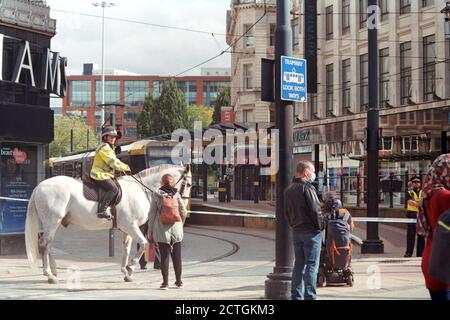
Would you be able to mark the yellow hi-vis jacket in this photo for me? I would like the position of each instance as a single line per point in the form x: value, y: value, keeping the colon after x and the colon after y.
x: 415, y: 197
x: 105, y: 162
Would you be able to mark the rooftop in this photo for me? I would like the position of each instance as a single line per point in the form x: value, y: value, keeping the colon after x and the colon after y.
x: 27, y: 14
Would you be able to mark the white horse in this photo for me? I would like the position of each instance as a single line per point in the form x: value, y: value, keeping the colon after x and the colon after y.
x: 60, y: 200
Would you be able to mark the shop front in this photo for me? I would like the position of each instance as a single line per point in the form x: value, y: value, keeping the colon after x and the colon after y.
x: 30, y: 72
x: 409, y: 143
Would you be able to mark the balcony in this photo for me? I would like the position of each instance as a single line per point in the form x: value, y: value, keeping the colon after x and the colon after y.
x: 28, y: 14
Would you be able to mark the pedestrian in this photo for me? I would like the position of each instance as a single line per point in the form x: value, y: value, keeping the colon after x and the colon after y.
x: 415, y: 195
x: 303, y: 213
x: 436, y: 194
x: 103, y: 170
x: 168, y: 236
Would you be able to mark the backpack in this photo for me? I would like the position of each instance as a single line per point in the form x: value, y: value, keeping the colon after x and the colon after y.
x: 170, y: 212
x: 439, y: 264
x: 339, y: 246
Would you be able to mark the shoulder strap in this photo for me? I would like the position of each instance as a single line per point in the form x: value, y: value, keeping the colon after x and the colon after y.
x: 346, y: 216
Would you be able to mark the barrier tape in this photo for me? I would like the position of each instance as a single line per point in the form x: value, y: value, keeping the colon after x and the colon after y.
x: 272, y: 216
x: 14, y: 199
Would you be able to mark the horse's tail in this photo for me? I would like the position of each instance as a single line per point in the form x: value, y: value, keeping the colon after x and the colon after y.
x: 31, y: 232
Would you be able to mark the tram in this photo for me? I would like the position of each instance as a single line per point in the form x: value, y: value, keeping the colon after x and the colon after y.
x: 139, y: 155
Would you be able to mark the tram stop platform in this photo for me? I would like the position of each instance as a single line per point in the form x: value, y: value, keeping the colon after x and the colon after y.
x: 219, y: 262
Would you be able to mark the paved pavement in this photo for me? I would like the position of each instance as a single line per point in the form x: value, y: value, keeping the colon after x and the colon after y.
x: 219, y: 263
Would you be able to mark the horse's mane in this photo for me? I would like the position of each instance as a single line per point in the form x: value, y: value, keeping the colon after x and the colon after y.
x: 157, y: 169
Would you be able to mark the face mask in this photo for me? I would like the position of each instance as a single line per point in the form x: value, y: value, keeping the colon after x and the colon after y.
x: 312, y: 178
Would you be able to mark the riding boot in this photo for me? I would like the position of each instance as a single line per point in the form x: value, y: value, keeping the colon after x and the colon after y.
x: 102, y: 213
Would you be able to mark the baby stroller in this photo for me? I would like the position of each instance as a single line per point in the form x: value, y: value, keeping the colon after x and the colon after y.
x: 336, y: 252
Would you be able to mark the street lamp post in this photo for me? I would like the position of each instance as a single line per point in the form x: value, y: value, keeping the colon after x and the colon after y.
x: 104, y: 5
x: 373, y: 244
x: 278, y: 284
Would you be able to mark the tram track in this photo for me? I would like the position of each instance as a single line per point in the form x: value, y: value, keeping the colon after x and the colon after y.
x: 143, y: 278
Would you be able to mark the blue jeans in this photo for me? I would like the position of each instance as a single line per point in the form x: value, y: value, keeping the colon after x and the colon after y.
x: 306, y: 266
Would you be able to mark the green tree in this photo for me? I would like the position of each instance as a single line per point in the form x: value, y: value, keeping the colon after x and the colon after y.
x: 164, y: 114
x: 199, y: 113
x: 223, y: 100
x: 61, y: 143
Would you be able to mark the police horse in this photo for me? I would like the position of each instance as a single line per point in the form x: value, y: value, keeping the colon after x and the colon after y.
x: 60, y: 201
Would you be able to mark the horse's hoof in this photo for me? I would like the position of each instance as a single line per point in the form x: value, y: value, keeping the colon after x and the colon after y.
x: 130, y: 270
x: 53, y: 281
x: 128, y: 279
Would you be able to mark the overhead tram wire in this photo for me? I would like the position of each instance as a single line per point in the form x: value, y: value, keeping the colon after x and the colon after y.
x: 140, y: 22
x: 229, y: 47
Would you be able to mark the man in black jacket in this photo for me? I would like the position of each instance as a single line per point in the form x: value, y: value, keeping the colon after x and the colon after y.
x: 302, y: 210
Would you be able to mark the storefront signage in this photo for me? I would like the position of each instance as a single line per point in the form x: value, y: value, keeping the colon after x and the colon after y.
x: 39, y: 68
x: 302, y: 150
x: 300, y: 136
x: 18, y: 178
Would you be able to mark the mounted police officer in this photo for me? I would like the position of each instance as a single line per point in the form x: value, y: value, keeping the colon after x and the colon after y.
x: 103, y: 169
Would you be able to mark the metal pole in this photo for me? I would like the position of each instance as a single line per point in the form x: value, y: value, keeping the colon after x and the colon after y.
x: 342, y: 173
x: 87, y: 139
x: 444, y: 142
x: 71, y: 140
x: 256, y: 178
x: 278, y: 285
x: 205, y: 181
x: 373, y: 244
x: 103, y: 64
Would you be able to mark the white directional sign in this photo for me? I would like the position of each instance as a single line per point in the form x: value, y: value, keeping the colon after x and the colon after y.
x: 293, y: 79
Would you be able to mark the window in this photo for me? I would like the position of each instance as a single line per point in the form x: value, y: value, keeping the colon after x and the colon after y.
x: 131, y: 132
x: 384, y: 77
x: 189, y: 89
x: 388, y: 142
x: 80, y: 94
x: 130, y: 116
x: 364, y: 81
x: 405, y: 6
x: 329, y: 90
x: 248, y: 38
x: 346, y: 86
x: 272, y: 34
x: 426, y: 3
x: 345, y: 16
x: 211, y: 90
x: 295, y: 32
x: 248, y: 76
x: 363, y: 5
x: 410, y: 144
x: 246, y: 116
x: 429, y: 68
x: 135, y: 93
x: 157, y: 88
x: 329, y: 22
x: 112, y: 92
x: 405, y: 72
x: 384, y: 9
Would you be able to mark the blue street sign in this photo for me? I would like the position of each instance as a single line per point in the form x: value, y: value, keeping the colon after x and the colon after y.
x: 293, y: 79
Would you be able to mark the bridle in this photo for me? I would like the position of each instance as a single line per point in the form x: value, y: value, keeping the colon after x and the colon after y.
x: 183, y: 178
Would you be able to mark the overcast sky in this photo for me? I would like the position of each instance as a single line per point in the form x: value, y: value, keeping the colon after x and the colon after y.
x: 140, y: 48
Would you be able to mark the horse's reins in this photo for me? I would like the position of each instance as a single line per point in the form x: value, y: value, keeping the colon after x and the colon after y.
x: 183, y: 186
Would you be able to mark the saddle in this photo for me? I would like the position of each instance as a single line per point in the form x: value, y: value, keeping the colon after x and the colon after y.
x: 93, y: 192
